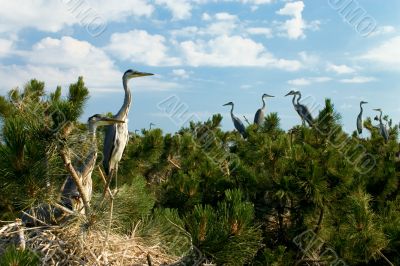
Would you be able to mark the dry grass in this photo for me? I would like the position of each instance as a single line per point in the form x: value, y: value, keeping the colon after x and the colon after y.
x: 73, y: 245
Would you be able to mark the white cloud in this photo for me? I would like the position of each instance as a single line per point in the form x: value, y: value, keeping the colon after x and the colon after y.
x: 386, y: 55
x: 180, y: 73
x: 61, y: 61
x: 309, y: 60
x: 52, y: 16
x: 267, y: 32
x: 358, y: 80
x: 340, y: 69
x: 206, y: 17
x: 294, y: 27
x: 233, y: 51
x: 308, y: 81
x: 222, y: 24
x: 257, y: 2
x: 225, y: 16
x: 181, y: 9
x: 141, y: 47
x: 67, y: 52
x: 5, y: 47
x: 382, y: 31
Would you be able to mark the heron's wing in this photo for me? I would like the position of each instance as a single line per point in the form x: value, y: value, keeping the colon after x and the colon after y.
x: 305, y: 113
x: 239, y: 125
x: 259, y: 117
x: 109, y: 145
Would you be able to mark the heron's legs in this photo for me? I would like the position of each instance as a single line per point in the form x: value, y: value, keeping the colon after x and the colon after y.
x: 107, y: 185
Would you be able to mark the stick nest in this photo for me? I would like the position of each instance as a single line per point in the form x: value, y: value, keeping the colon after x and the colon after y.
x: 71, y: 244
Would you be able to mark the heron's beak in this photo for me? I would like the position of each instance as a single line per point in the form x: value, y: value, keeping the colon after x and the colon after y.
x: 111, y: 121
x: 267, y: 95
x: 290, y: 93
x: 226, y: 104
x: 143, y: 74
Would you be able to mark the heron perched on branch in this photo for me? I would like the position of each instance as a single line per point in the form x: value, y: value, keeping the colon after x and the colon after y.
x: 259, y: 117
x: 359, y: 118
x: 237, y: 122
x: 301, y: 109
x: 117, y: 136
x: 71, y: 198
x: 382, y: 128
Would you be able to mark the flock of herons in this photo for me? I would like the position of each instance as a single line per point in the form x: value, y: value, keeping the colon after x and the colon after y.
x: 304, y: 114
x: 116, y: 138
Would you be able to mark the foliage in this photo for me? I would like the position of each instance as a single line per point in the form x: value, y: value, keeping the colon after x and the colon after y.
x: 239, y: 202
x: 15, y: 257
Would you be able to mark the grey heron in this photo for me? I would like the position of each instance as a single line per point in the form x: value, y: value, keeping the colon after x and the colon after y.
x: 301, y: 109
x: 237, y: 122
x: 259, y: 117
x: 382, y: 128
x: 70, y: 197
x: 117, y: 135
x: 359, y: 118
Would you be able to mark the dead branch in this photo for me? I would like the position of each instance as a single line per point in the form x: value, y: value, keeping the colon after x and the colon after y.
x: 67, y: 162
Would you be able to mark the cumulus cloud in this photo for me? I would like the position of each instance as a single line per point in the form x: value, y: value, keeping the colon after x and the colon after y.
x: 233, y: 51
x: 294, y: 27
x: 340, y: 69
x: 308, y: 81
x: 52, y: 16
x: 358, y: 80
x: 5, y: 47
x: 141, y: 47
x: 180, y: 73
x: 61, y: 61
x: 220, y: 24
x: 382, y: 31
x: 386, y: 55
x: 267, y: 32
x: 180, y: 9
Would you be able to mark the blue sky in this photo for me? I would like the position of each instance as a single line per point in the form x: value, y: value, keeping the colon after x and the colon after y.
x: 206, y: 53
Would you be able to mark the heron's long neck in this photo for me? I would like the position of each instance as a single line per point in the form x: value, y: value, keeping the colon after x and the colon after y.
x: 361, y: 109
x: 298, y: 99
x: 232, y: 115
x: 380, y: 117
x: 293, y: 100
x: 263, y: 99
x: 123, y: 112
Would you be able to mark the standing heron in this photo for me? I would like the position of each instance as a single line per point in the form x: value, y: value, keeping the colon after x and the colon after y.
x: 117, y: 135
x: 301, y: 109
x: 359, y: 118
x: 382, y: 128
x: 71, y: 199
x: 259, y: 117
x: 237, y: 122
